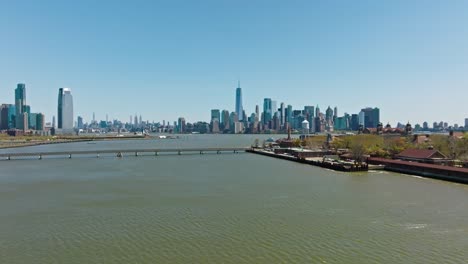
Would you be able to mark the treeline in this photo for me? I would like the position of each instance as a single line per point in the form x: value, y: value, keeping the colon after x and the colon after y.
x: 389, y: 146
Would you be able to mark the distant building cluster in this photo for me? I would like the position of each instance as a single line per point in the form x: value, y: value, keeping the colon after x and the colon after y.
x: 17, y: 118
x: 278, y: 119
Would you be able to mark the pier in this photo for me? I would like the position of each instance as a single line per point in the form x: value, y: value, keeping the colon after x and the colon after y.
x: 326, y: 165
x: 120, y: 152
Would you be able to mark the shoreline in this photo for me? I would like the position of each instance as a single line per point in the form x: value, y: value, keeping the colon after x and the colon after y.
x: 13, y: 144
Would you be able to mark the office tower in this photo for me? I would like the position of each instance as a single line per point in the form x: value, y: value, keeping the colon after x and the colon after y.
x: 225, y: 120
x: 282, y: 114
x: 7, y: 116
x: 257, y: 113
x: 40, y: 121
x: 215, y: 120
x: 341, y: 123
x: 317, y: 111
x: 65, y: 110
x: 274, y: 108
x: 80, y: 122
x: 335, y: 112
x: 309, y: 116
x: 466, y: 123
x: 371, y: 117
x: 233, y: 118
x: 309, y: 111
x: 289, y: 114
x: 239, y: 108
x: 354, y: 124
x: 135, y: 122
x: 140, y: 121
x: 267, y: 113
x: 32, y: 118
x: 181, y: 125
x: 329, y: 114
x: 215, y: 114
x: 20, y: 102
x: 24, y: 121
x: 362, y: 118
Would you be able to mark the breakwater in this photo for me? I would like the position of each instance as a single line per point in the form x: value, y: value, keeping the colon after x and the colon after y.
x: 322, y: 164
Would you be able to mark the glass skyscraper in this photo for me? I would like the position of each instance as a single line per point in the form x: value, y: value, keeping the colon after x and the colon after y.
x: 65, y: 109
x: 20, y: 102
x: 239, y: 107
x: 267, y: 111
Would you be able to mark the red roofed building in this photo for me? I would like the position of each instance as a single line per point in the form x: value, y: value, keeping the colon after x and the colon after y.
x: 423, y: 155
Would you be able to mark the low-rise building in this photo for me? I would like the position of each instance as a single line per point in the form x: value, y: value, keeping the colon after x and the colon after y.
x: 423, y: 155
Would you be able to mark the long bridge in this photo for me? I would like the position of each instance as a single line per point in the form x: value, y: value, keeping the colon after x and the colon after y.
x: 121, y: 152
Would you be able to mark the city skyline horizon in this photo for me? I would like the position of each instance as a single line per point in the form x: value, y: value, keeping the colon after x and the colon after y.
x: 92, y: 114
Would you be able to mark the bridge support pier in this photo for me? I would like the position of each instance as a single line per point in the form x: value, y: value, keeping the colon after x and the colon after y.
x: 156, y: 153
x: 69, y: 156
x: 201, y: 152
x: 40, y: 156
x: 136, y: 154
x: 9, y: 158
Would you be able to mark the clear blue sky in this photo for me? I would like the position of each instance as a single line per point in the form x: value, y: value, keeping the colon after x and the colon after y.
x: 181, y: 58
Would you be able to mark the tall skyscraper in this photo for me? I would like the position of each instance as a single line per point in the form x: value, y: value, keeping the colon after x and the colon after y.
x: 239, y: 107
x: 289, y: 114
x: 267, y: 113
x: 20, y: 102
x: 181, y: 125
x: 65, y: 110
x: 466, y: 123
x: 282, y: 114
x: 329, y: 114
x: 80, y: 122
x: 274, y: 108
x: 309, y: 116
x: 40, y: 121
x: 257, y: 113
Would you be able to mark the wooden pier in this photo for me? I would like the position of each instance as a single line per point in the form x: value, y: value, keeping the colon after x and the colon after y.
x: 121, y: 152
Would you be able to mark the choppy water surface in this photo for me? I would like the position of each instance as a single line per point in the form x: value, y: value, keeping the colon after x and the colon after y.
x: 228, y: 208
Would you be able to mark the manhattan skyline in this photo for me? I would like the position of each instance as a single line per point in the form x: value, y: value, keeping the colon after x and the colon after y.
x: 122, y: 59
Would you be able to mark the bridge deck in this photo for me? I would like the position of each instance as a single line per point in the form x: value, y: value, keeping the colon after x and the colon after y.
x: 121, y: 151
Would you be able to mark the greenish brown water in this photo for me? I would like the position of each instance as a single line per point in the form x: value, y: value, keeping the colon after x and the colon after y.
x: 228, y: 208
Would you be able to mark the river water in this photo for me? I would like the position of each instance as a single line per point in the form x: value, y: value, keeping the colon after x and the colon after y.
x: 226, y: 208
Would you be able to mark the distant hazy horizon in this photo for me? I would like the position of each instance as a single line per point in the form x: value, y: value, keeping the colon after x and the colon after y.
x: 163, y: 60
